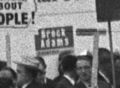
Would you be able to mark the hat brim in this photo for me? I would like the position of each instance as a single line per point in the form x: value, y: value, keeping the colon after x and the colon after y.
x: 26, y: 65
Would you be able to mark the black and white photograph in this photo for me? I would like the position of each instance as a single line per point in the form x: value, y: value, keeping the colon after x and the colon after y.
x: 59, y: 43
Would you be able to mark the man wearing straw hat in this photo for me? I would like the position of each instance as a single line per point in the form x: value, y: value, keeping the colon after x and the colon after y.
x: 27, y: 70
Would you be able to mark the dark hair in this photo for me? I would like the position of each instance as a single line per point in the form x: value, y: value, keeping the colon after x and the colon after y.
x: 2, y: 64
x: 60, y: 58
x: 104, y: 56
x: 116, y: 56
x: 63, y: 54
x: 69, y: 63
x: 14, y: 75
x: 86, y: 57
x: 31, y: 71
x: 41, y: 60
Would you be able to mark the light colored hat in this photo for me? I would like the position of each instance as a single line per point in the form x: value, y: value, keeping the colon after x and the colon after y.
x: 85, y: 55
x: 85, y: 52
x: 28, y: 61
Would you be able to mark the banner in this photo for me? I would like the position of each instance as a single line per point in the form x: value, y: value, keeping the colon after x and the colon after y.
x: 53, y: 39
x: 17, y: 13
x: 53, y: 7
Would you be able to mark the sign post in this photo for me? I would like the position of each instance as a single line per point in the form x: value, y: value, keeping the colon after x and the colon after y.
x: 112, y: 57
x: 8, y: 50
x: 94, y: 80
x: 107, y: 11
x: 95, y: 33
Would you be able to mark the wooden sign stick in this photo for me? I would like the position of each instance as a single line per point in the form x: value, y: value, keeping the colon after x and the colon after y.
x: 8, y: 50
x: 94, y: 78
x: 96, y: 34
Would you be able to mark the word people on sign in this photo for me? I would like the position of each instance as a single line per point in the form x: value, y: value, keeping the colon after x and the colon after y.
x: 14, y: 13
x: 51, y: 38
x: 10, y: 18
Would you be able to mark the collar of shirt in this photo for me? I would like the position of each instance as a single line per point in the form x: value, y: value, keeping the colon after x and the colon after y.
x: 44, y: 80
x: 26, y: 84
x: 104, y: 76
x: 87, y: 85
x: 70, y: 79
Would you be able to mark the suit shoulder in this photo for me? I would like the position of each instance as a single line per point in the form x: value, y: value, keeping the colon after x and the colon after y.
x: 33, y: 84
x: 103, y: 84
x: 64, y: 83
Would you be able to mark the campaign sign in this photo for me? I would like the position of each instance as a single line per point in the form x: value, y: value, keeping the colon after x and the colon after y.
x: 16, y: 13
x: 54, y: 39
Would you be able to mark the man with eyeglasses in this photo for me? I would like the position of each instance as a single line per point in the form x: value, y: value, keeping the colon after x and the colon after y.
x: 84, y: 70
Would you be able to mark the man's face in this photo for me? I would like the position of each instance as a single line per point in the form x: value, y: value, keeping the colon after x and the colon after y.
x: 22, y: 75
x: 84, y: 70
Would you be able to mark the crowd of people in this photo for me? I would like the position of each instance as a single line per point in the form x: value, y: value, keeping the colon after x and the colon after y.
x: 74, y: 72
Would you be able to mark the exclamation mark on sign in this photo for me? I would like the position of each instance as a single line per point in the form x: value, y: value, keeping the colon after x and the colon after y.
x: 33, y: 17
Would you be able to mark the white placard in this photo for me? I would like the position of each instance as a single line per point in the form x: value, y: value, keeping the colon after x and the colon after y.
x: 16, y: 13
x: 48, y: 7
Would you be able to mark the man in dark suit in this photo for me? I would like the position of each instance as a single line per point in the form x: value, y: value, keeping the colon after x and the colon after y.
x: 27, y: 70
x: 42, y: 80
x: 60, y: 58
x: 69, y: 74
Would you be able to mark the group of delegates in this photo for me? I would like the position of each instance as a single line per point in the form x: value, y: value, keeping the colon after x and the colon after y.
x: 30, y: 73
x: 78, y: 73
x: 74, y: 72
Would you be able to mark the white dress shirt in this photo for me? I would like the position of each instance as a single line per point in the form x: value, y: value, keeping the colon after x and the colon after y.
x: 70, y: 79
x: 26, y: 84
